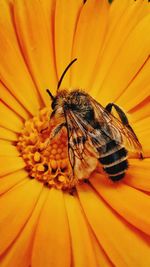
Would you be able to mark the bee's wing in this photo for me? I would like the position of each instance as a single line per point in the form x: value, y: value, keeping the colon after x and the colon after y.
x: 82, y: 156
x: 118, y: 132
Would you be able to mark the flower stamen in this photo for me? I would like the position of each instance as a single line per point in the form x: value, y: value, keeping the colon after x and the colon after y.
x: 46, y: 160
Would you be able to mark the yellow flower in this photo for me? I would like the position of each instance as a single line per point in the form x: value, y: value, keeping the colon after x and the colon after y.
x: 102, y: 224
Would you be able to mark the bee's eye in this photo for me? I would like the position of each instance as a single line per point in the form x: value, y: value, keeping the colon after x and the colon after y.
x: 53, y: 104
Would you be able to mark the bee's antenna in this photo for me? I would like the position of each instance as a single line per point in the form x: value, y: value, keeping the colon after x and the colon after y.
x: 50, y: 94
x: 62, y: 76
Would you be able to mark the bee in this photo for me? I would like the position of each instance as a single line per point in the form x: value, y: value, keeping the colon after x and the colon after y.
x: 94, y: 133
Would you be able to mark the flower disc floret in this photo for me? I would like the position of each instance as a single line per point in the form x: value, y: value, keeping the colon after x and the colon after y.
x: 46, y: 159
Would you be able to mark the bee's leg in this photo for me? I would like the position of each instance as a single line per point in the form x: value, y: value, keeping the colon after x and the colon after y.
x: 57, y: 129
x: 120, y: 112
x: 43, y: 130
x: 141, y: 156
x: 123, y: 119
x: 72, y: 191
x: 86, y: 181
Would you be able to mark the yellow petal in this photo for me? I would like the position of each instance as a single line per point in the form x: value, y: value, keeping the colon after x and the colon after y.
x: 88, y: 41
x: 141, y: 163
x: 14, y: 72
x: 102, y: 258
x: 129, y: 98
x: 116, y: 12
x: 11, y: 180
x: 142, y: 129
x: 16, y: 208
x: 144, y: 140
x: 48, y: 7
x: 7, y: 134
x: 52, y: 244
x: 142, y: 125
x: 138, y: 174
x: 7, y: 149
x: 66, y: 14
x: 123, y: 199
x: 141, y: 111
x: 10, y: 164
x: 123, y: 17
x: 10, y: 101
x: 9, y: 119
x: 36, y: 45
x: 82, y: 250
x: 121, y: 14
x: 19, y: 253
x: 114, y: 234
x: 132, y: 54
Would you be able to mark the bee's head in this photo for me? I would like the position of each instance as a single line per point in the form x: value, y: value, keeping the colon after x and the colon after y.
x: 78, y: 100
x: 58, y: 101
x: 53, y: 98
x: 54, y: 103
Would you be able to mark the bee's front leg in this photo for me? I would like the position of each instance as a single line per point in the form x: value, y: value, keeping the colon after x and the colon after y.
x: 72, y: 191
x: 86, y: 181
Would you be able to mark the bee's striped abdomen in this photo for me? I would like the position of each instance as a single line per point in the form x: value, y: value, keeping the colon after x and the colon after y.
x: 114, y: 159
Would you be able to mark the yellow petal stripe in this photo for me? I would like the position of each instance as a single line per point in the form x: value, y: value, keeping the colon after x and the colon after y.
x: 112, y: 231
x: 13, y: 71
x: 10, y: 164
x: 138, y: 174
x: 7, y: 135
x: 52, y: 242
x: 141, y: 111
x: 23, y: 243
x: 102, y: 259
x: 36, y: 45
x: 9, y: 119
x: 7, y: 149
x: 116, y: 82
x: 11, y: 180
x: 130, y: 98
x: 23, y: 198
x: 82, y: 249
x: 88, y: 41
x: 124, y: 199
x: 12, y: 102
x: 66, y: 14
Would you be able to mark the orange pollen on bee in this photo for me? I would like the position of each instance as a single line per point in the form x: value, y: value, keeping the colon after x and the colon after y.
x: 46, y: 159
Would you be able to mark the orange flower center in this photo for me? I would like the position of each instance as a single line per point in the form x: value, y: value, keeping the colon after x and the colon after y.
x: 46, y: 160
